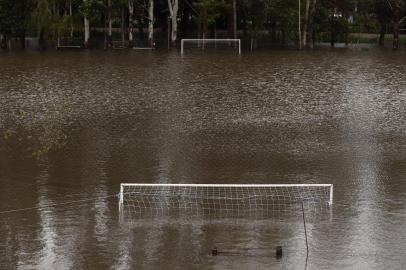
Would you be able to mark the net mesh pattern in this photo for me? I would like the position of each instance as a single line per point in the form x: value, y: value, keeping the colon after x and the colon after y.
x: 222, y: 202
x: 210, y: 44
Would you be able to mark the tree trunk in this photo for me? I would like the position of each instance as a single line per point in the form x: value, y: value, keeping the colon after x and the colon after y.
x: 173, y: 6
x: 299, y: 42
x: 110, y: 22
x: 151, y: 23
x: 311, y: 22
x: 396, y: 22
x: 141, y: 23
x: 332, y: 30
x: 122, y: 27
x: 203, y: 14
x: 70, y: 14
x: 3, y: 43
x: 22, y: 40
x: 283, y: 36
x: 41, y: 40
x: 306, y: 23
x: 382, y: 35
x: 87, y: 32
x: 234, y: 7
x: 396, y: 36
x: 169, y: 32
x: 130, y: 21
x: 230, y: 20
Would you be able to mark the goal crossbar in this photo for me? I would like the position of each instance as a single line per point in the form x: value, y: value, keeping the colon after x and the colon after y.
x: 204, y: 40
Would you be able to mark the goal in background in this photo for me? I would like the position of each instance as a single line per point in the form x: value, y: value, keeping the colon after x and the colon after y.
x: 210, y: 43
x: 221, y: 200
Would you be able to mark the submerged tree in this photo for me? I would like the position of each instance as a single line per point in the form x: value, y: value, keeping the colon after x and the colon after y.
x: 173, y: 6
x: 14, y: 20
x: 151, y: 23
x: 383, y: 14
x: 395, y: 7
x: 310, y: 8
x: 255, y: 15
x: 130, y: 21
x: 233, y: 18
x: 210, y: 11
x: 320, y: 19
x: 91, y: 11
x: 43, y: 19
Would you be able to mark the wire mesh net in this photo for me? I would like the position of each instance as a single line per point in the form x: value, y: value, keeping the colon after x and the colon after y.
x: 239, y: 201
x: 210, y: 44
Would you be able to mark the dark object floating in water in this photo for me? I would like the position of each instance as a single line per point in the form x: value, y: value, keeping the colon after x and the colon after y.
x: 68, y: 47
x: 214, y: 251
x: 279, y: 252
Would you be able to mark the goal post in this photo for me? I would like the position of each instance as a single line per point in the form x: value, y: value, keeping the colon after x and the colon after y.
x: 209, y: 40
x: 230, y: 199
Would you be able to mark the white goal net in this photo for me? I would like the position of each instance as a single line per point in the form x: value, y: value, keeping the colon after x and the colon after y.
x: 222, y: 200
x: 210, y: 43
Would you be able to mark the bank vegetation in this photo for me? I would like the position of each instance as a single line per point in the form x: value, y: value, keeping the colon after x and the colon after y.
x: 151, y: 23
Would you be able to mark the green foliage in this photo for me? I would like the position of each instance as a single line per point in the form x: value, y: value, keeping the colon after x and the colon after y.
x: 278, y: 17
x: 215, y: 9
x: 14, y: 16
x: 284, y: 17
x: 338, y: 24
x: 42, y: 16
x: 92, y: 9
x: 321, y: 18
x: 256, y: 13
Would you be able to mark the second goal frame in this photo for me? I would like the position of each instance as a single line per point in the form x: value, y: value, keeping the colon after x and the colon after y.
x: 209, y: 40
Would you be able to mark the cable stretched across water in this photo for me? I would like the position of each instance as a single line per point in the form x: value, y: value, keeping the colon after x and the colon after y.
x: 55, y: 204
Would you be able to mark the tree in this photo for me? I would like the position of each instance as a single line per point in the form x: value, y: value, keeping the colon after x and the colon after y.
x: 66, y: 21
x: 395, y: 6
x: 14, y: 20
x: 383, y: 15
x: 310, y: 29
x: 43, y: 19
x: 255, y: 15
x: 308, y: 22
x: 283, y: 21
x: 91, y: 11
x: 338, y: 18
x: 7, y: 21
x: 86, y: 24
x: 130, y: 20
x: 210, y: 11
x: 151, y: 23
x: 110, y: 23
x: 234, y: 18
x: 173, y: 6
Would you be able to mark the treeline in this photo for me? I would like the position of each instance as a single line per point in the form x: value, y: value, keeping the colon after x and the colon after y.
x: 300, y: 22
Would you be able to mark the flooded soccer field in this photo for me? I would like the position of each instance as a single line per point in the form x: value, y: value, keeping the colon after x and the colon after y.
x: 74, y: 125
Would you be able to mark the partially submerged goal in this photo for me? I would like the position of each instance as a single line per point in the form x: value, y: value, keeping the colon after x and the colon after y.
x: 203, y: 43
x: 221, y: 200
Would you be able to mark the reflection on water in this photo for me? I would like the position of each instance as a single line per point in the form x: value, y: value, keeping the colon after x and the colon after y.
x: 75, y: 125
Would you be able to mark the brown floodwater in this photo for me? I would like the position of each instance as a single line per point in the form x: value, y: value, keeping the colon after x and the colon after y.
x: 74, y: 125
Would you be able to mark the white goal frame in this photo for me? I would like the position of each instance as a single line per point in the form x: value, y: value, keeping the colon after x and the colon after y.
x: 209, y: 40
x: 122, y: 185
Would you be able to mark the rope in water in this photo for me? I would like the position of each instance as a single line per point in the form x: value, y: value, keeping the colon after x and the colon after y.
x: 55, y: 204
